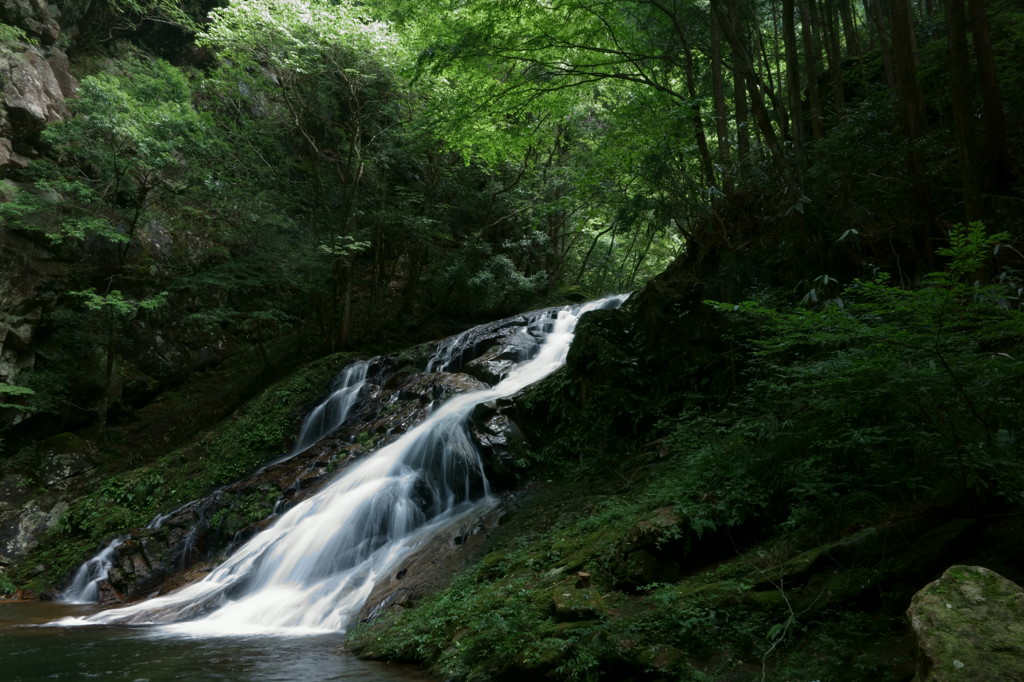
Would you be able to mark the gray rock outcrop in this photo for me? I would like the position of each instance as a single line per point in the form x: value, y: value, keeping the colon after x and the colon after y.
x: 32, y: 16
x: 969, y: 625
x: 34, y: 80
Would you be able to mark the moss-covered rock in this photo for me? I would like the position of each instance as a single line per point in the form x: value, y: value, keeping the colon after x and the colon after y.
x: 570, y: 603
x: 970, y: 626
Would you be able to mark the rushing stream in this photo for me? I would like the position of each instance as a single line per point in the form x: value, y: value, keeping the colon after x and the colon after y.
x: 310, y: 572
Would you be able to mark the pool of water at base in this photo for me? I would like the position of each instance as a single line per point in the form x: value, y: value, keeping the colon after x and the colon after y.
x: 29, y: 653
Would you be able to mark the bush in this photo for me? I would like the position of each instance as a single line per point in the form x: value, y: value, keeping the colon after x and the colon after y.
x: 885, y: 394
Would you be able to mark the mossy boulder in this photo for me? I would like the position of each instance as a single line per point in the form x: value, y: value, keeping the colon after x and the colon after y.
x: 969, y: 626
x: 571, y: 603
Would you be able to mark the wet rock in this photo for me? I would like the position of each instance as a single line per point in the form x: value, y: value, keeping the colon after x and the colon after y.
x: 489, y: 371
x: 434, y: 563
x: 508, y: 350
x: 969, y: 625
x: 512, y: 338
x: 437, y: 387
x: 141, y: 567
x: 108, y: 594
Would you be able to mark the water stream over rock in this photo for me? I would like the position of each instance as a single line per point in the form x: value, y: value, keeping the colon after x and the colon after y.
x: 313, y: 568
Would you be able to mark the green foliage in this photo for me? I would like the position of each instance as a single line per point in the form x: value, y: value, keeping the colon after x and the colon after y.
x: 9, y: 35
x: 131, y: 13
x: 296, y: 36
x: 262, y: 429
x: 118, y: 503
x: 6, y: 586
x: 7, y: 391
x: 123, y: 152
x: 882, y: 395
x: 116, y: 303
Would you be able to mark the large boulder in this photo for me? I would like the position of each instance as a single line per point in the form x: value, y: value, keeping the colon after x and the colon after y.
x: 60, y: 466
x: 33, y: 87
x: 32, y: 94
x: 969, y: 626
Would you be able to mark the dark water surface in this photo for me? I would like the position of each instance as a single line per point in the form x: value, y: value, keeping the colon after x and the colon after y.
x: 137, y: 654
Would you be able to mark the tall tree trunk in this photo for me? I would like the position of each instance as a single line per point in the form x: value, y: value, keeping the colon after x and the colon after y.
x: 834, y: 52
x: 999, y: 175
x: 963, y: 98
x: 849, y: 27
x: 718, y: 92
x: 756, y: 88
x: 811, y: 52
x: 914, y: 124
x: 739, y: 88
x: 796, y: 111
x: 874, y: 10
x: 697, y: 117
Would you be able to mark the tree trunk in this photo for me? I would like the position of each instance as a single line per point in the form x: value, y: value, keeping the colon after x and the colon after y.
x: 739, y: 89
x: 835, y: 57
x: 999, y: 175
x: 796, y: 111
x: 718, y: 91
x: 849, y: 28
x: 963, y: 98
x: 756, y: 88
x: 811, y: 52
x: 697, y: 118
x: 873, y: 9
x: 914, y: 124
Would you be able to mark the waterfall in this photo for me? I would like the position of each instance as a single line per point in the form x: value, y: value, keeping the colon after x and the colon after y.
x: 84, y: 587
x: 332, y: 412
x: 312, y: 570
x: 327, y: 416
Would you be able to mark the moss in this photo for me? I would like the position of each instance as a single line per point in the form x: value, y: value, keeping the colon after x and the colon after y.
x: 970, y: 625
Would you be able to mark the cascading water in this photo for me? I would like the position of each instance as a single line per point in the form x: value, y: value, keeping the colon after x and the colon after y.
x: 84, y: 587
x: 326, y: 417
x: 332, y: 412
x: 314, y: 568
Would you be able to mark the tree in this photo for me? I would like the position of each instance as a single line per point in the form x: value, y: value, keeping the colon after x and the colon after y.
x: 327, y: 78
x: 124, y: 151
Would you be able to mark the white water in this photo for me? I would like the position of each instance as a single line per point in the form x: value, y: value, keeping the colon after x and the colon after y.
x: 332, y: 412
x: 84, y: 587
x: 315, y: 567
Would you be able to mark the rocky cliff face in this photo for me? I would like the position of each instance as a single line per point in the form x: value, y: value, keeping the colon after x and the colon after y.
x: 34, y: 85
x: 34, y: 80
